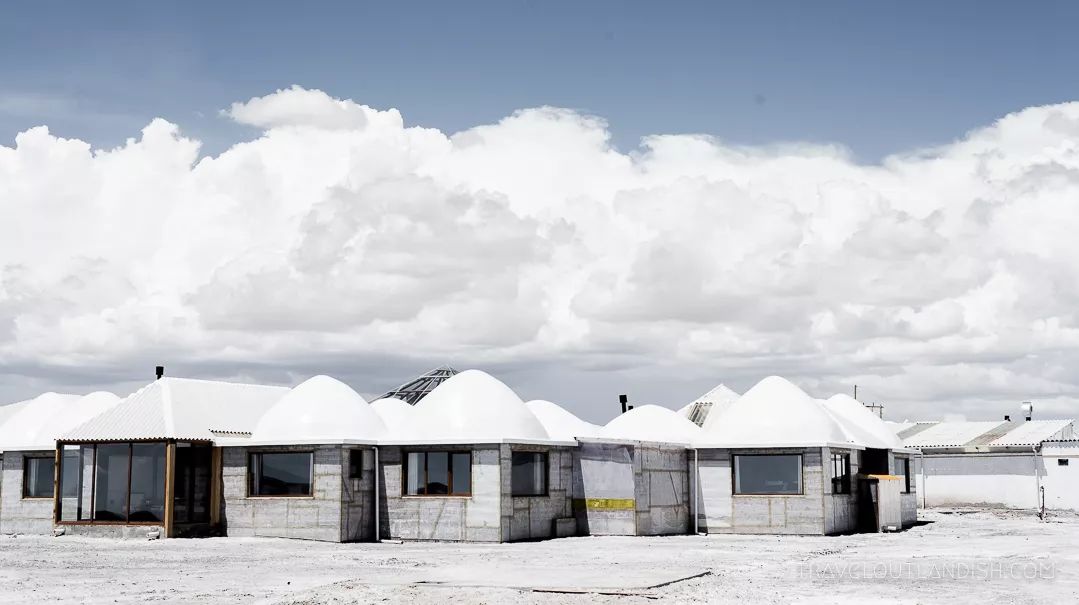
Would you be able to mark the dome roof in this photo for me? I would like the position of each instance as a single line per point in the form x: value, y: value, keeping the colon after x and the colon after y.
x: 320, y: 409
x: 861, y: 424
x: 560, y: 423
x: 651, y: 423
x: 474, y: 407
x: 775, y: 413
x: 395, y: 413
x: 40, y: 421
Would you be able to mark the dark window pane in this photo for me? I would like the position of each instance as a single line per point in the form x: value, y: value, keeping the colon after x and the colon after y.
x: 781, y: 474
x: 147, y: 501
x: 38, y: 477
x: 355, y: 464
x: 462, y: 473
x: 529, y: 474
x: 110, y: 485
x: 415, y: 465
x: 191, y: 487
x: 438, y: 473
x: 281, y: 474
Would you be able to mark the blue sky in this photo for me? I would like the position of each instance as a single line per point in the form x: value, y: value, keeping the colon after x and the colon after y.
x: 877, y: 77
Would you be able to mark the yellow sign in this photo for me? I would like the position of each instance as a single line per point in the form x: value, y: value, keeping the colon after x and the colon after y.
x: 604, y: 503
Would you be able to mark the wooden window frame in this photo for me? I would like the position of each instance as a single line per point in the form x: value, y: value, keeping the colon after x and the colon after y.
x: 546, y: 474
x: 842, y: 484
x: 26, y: 476
x: 93, y: 482
x: 251, y: 471
x: 801, y: 476
x: 449, y: 473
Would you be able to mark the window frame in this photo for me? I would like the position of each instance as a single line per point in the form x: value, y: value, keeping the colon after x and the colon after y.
x: 449, y: 473
x: 546, y: 492
x: 94, y: 445
x: 251, y: 473
x: 801, y: 475
x: 26, y: 476
x: 841, y: 484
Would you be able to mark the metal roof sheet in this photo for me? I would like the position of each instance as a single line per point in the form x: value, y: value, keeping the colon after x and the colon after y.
x: 181, y: 408
x: 1033, y: 432
x: 950, y: 434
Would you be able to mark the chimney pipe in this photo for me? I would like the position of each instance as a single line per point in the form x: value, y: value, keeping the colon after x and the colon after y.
x: 1007, y: 418
x: 1028, y: 418
x: 623, y: 399
x: 160, y: 371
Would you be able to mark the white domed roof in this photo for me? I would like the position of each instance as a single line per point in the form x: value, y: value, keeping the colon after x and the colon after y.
x: 560, y: 423
x: 474, y: 407
x: 40, y: 421
x: 860, y: 423
x: 775, y: 413
x: 651, y: 423
x: 319, y: 410
x: 396, y: 414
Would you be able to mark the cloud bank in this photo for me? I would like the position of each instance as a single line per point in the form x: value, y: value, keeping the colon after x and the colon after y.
x: 944, y: 277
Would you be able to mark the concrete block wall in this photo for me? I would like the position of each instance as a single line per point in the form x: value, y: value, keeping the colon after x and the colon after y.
x: 840, y: 510
x: 661, y: 475
x: 534, y: 517
x: 315, y: 517
x: 475, y: 518
x: 729, y: 513
x: 20, y: 515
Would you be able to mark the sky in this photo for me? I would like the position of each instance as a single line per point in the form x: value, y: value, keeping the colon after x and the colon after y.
x: 585, y: 199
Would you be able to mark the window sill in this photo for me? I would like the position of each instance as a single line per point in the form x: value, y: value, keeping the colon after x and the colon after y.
x: 38, y: 498
x: 436, y: 496
x: 768, y: 495
x: 282, y: 497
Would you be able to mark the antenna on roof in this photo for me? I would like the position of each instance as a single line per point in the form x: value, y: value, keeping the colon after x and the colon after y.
x: 856, y: 392
x: 160, y: 371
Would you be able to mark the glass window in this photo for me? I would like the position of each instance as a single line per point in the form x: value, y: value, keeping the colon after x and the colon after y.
x: 281, y: 474
x: 529, y: 474
x: 38, y: 477
x: 191, y: 484
x: 110, y: 484
x: 415, y: 465
x: 462, y: 473
x: 1062, y: 462
x: 438, y: 474
x: 76, y: 472
x: 840, y: 473
x: 768, y: 474
x: 147, y: 500
x: 355, y: 464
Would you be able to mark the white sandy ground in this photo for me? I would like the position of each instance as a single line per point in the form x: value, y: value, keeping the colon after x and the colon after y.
x: 960, y: 557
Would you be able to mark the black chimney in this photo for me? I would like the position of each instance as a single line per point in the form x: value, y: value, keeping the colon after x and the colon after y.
x: 623, y: 399
x: 160, y: 371
x: 1007, y: 418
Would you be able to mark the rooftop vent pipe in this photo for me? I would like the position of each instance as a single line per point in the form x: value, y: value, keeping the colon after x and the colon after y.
x: 623, y: 399
x: 160, y: 371
x: 1007, y: 418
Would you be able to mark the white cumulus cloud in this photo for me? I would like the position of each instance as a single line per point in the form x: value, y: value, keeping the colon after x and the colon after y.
x: 942, y: 278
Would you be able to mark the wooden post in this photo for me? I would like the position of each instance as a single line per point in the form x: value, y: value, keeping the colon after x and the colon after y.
x: 56, y: 483
x: 170, y: 486
x: 215, y: 487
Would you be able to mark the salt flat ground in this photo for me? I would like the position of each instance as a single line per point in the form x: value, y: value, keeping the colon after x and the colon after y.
x: 985, y: 557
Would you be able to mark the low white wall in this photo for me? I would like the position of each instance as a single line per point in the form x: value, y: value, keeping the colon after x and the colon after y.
x: 979, y: 479
x: 1061, y: 482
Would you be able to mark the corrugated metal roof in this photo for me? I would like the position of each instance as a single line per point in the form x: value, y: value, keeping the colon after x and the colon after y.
x: 1033, y: 432
x: 181, y: 408
x: 950, y: 434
